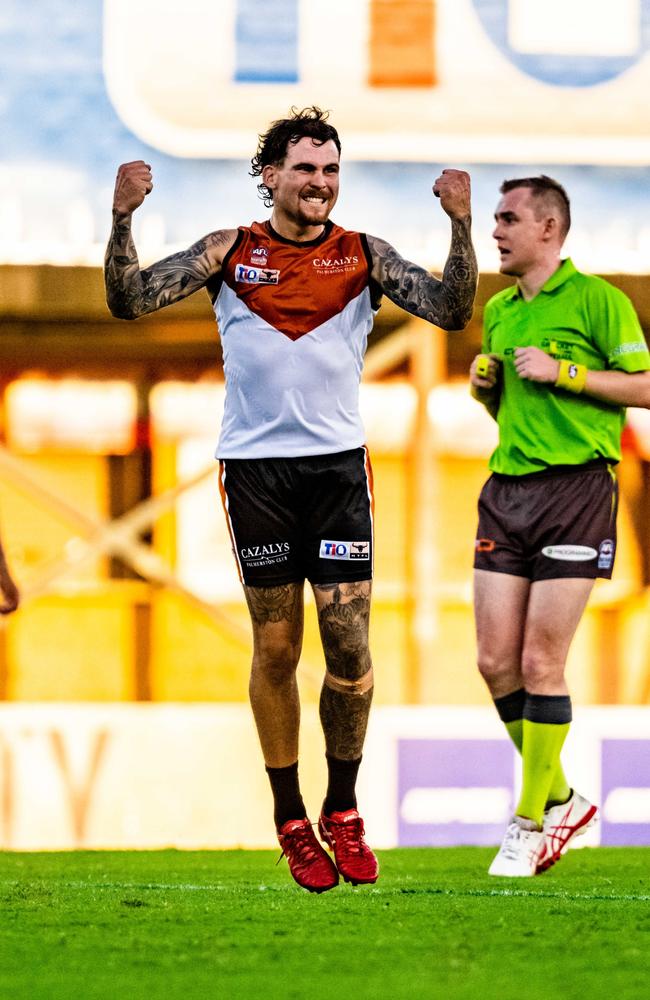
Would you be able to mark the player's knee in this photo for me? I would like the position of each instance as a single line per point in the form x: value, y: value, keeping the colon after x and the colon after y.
x: 347, y: 659
x: 345, y: 643
x: 537, y: 667
x: 501, y: 674
x: 277, y: 662
x: 344, y: 633
x: 491, y: 667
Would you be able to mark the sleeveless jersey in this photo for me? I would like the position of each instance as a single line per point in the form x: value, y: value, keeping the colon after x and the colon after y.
x: 294, y: 319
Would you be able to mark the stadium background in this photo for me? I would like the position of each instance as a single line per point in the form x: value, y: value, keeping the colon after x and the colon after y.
x: 124, y: 674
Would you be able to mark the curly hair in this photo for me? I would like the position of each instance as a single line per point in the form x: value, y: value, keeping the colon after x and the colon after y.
x: 549, y: 193
x: 273, y: 144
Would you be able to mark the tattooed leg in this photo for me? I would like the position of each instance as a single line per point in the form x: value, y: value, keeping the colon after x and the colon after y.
x: 343, y: 616
x: 277, y: 619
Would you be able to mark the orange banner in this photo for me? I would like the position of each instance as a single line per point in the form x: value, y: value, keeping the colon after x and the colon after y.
x: 402, y: 43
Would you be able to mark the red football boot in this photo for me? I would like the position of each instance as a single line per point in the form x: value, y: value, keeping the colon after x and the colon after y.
x: 310, y: 865
x: 343, y: 832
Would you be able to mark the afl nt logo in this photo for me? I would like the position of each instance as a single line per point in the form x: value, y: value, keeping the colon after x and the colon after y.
x: 259, y: 256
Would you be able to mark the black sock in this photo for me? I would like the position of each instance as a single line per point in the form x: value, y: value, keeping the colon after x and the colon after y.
x: 287, y: 799
x: 340, y: 787
x: 511, y: 706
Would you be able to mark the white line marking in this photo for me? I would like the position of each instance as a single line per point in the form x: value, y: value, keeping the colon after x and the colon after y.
x: 622, y: 897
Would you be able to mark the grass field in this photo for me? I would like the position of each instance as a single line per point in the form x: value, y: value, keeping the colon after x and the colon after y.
x: 228, y: 924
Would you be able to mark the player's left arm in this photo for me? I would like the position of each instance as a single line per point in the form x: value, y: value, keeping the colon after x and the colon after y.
x: 447, y: 303
x: 623, y: 379
x: 619, y: 388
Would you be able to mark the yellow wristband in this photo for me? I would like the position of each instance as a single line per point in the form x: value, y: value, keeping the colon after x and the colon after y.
x: 482, y: 365
x: 571, y: 376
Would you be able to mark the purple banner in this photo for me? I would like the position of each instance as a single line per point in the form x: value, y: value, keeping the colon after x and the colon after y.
x: 625, y: 792
x: 453, y: 792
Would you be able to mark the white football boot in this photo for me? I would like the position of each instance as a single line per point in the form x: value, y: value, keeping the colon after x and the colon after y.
x: 561, y: 824
x: 520, y: 851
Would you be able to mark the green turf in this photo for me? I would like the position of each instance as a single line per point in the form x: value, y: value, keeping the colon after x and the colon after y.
x: 175, y: 925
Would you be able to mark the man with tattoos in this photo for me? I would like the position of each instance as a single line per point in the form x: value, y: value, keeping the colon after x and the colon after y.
x: 295, y: 299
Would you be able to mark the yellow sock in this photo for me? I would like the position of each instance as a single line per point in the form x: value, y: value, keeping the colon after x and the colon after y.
x: 541, y: 747
x: 560, y: 789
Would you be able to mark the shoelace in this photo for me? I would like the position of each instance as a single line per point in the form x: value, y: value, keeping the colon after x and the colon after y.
x: 299, y: 841
x: 351, y: 833
x: 510, y: 846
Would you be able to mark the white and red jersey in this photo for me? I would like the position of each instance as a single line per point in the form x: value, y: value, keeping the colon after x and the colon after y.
x: 294, y: 319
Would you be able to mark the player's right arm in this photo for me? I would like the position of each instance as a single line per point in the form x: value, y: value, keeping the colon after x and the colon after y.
x: 131, y: 291
x: 448, y: 303
x: 485, y: 381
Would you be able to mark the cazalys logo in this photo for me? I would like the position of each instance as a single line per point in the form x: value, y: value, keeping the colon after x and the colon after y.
x: 330, y: 263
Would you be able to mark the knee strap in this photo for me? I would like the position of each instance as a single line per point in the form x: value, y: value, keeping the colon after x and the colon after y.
x: 362, y: 685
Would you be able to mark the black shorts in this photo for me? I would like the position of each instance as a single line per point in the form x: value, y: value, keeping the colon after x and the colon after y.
x: 292, y: 519
x: 549, y: 525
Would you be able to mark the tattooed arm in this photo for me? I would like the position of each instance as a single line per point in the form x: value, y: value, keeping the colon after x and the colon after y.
x: 132, y: 292
x: 447, y: 303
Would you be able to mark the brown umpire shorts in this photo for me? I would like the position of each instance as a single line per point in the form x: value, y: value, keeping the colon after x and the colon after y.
x: 549, y: 525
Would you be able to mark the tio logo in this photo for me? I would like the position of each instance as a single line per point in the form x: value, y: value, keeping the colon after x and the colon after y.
x: 334, y: 550
x: 344, y: 550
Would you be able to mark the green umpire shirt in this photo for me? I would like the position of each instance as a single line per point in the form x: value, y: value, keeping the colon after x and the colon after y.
x: 577, y: 317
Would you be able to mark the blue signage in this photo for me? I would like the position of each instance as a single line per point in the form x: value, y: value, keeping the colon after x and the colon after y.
x: 566, y: 70
x: 266, y: 41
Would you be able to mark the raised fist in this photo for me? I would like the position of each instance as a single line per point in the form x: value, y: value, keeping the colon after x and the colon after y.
x: 453, y: 189
x: 132, y: 186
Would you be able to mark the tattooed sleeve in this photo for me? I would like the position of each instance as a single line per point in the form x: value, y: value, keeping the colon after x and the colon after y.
x: 131, y: 292
x: 447, y: 303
